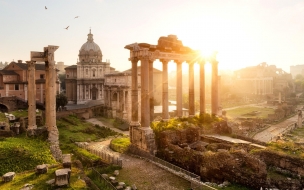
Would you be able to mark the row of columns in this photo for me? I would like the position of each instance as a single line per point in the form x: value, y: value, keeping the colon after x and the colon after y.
x: 147, y: 89
x: 263, y: 86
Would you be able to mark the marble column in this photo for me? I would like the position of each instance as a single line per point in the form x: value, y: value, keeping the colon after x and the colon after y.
x: 214, y: 87
x: 165, y: 101
x: 134, y: 94
x: 179, y: 89
x: 151, y: 90
x: 145, y: 98
x: 191, y: 89
x: 202, y: 88
x: 31, y: 96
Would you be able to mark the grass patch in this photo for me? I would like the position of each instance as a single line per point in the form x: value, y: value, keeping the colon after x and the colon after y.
x: 289, y: 148
x: 22, y: 153
x: 39, y: 180
x: 120, y: 144
x: 72, y: 129
x: 3, y: 118
x: 249, y: 112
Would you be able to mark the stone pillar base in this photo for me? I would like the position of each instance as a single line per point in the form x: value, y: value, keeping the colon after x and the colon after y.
x: 124, y: 115
x: 143, y: 138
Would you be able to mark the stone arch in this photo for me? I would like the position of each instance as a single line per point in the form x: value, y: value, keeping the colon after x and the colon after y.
x: 4, y: 108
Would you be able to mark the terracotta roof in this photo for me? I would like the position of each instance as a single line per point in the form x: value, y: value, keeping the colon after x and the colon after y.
x: 23, y: 66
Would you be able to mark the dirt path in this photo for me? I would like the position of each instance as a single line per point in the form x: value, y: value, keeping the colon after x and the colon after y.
x: 272, y: 132
x: 145, y: 175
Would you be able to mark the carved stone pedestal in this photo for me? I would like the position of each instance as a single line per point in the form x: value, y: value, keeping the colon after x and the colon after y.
x: 142, y: 138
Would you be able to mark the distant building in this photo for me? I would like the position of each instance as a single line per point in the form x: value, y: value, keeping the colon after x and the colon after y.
x: 296, y: 70
x: 60, y: 67
x: 262, y: 79
x: 85, y: 81
x: 13, y: 81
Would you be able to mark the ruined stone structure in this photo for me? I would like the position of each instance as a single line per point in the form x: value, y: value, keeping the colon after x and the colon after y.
x: 168, y: 48
x: 85, y: 81
x: 50, y: 97
x: 118, y: 93
x: 262, y: 79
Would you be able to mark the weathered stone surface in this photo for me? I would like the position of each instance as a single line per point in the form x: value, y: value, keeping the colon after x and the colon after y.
x: 8, y: 176
x: 50, y: 182
x: 134, y: 187
x: 128, y: 188
x: 27, y: 187
x: 66, y: 161
x: 105, y: 176
x: 116, y: 172
x: 41, y: 169
x: 114, y: 182
x: 112, y: 178
x: 123, y: 184
x: 119, y: 187
x: 62, y: 176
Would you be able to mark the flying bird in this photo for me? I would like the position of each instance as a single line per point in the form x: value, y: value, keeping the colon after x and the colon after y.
x: 67, y: 27
x: 76, y: 17
x: 45, y: 7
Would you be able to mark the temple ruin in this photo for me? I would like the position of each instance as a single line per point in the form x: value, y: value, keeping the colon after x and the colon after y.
x: 168, y: 48
x: 46, y: 56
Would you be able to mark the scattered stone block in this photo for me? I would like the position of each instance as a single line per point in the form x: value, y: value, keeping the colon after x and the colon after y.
x: 112, y: 178
x: 116, y: 172
x: 66, y: 161
x: 8, y: 176
x: 134, y: 187
x: 27, y: 187
x: 50, y: 182
x: 123, y: 184
x: 114, y: 182
x: 41, y: 169
x: 105, y: 176
x: 128, y: 188
x: 62, y: 177
x: 119, y: 187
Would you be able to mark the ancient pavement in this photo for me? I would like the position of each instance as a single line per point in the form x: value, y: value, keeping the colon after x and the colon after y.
x: 276, y: 130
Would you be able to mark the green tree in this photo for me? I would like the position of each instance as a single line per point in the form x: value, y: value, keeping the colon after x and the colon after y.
x: 61, y: 100
x: 62, y: 80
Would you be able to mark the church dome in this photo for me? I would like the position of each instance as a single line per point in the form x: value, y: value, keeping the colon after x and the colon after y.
x: 90, y: 51
x: 90, y: 44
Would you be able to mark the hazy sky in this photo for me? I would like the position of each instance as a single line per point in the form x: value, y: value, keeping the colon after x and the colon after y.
x: 244, y: 32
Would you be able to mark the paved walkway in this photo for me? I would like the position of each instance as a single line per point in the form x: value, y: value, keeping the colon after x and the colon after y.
x: 276, y: 130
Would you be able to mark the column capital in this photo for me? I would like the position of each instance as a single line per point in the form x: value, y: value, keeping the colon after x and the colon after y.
x: 164, y: 61
x: 30, y: 65
x: 178, y: 61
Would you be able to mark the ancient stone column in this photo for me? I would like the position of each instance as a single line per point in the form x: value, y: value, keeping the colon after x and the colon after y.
x: 214, y: 87
x: 151, y: 90
x: 191, y: 89
x: 145, y: 97
x: 134, y: 94
x: 165, y: 101
x: 50, y: 102
x: 179, y: 89
x: 202, y: 88
x: 31, y: 97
